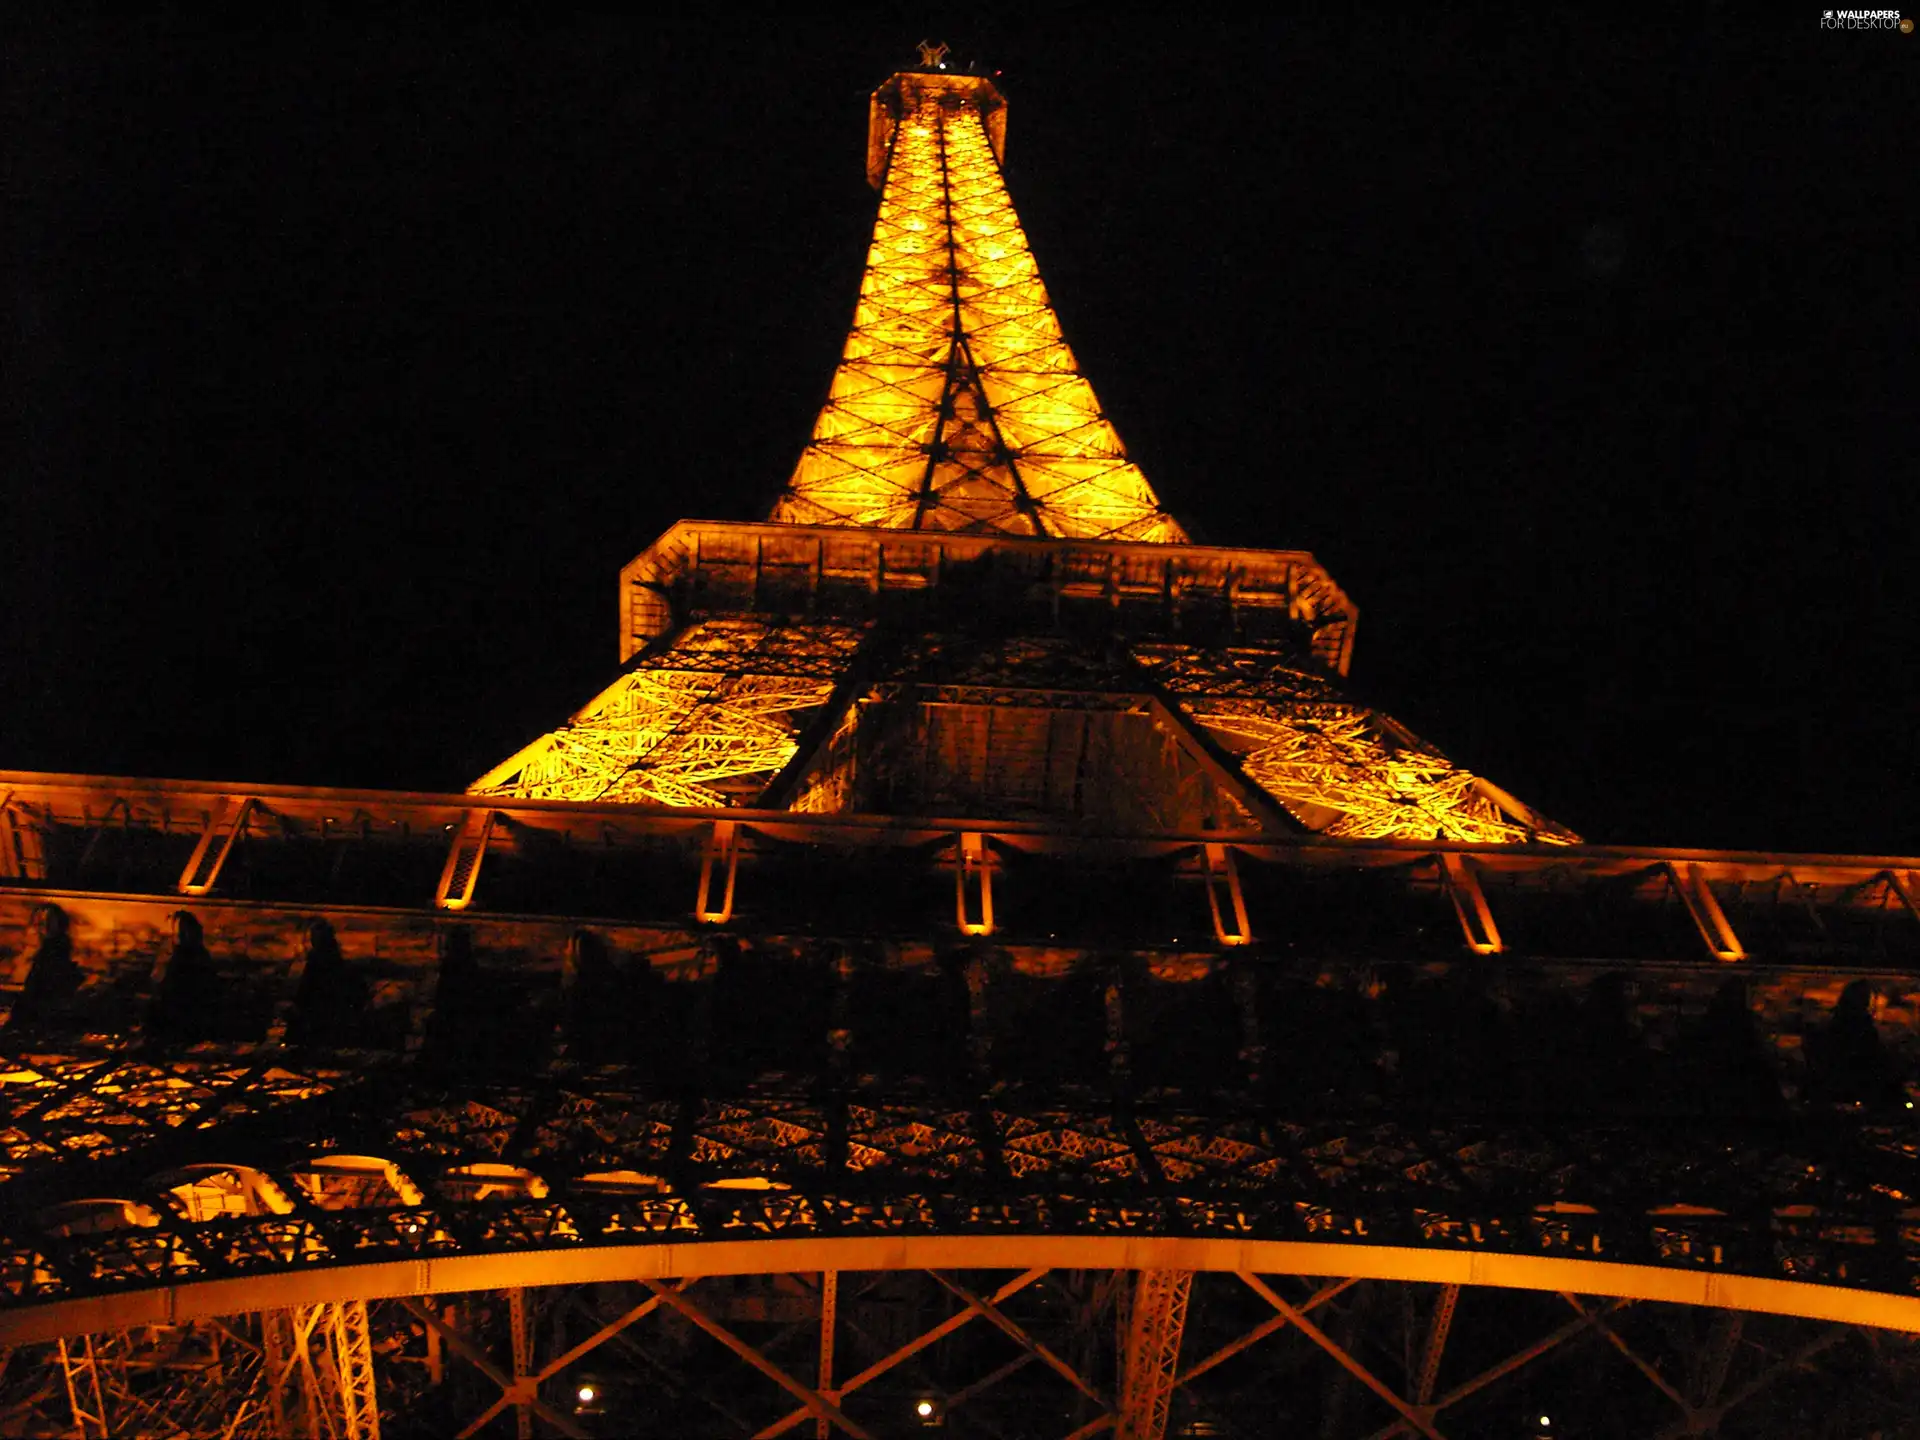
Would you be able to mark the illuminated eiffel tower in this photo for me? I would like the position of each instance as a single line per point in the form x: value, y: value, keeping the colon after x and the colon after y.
x: 968, y: 600
x: 975, y: 969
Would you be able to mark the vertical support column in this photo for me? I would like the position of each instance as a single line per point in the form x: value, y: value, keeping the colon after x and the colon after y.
x: 977, y: 975
x: 519, y: 1323
x: 723, y: 854
x: 436, y: 1358
x: 87, y: 1400
x: 352, y: 1344
x: 320, y: 1378
x: 1230, y: 925
x: 840, y: 1019
x: 277, y: 1345
x: 1156, y: 1324
x: 973, y: 884
x: 1436, y: 1344
x: 829, y: 1322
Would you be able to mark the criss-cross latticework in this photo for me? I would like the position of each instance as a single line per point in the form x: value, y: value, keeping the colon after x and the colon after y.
x: 1338, y: 768
x: 688, y: 725
x: 957, y: 404
x: 978, y: 967
x: 963, y: 495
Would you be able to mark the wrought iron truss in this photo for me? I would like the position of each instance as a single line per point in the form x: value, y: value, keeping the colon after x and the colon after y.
x: 428, y: 1175
x: 834, y: 672
x: 996, y: 1352
x: 907, y: 1031
x: 957, y: 404
x: 1339, y: 768
x: 689, y: 721
x: 773, y: 665
x: 977, y: 968
x: 469, y: 1159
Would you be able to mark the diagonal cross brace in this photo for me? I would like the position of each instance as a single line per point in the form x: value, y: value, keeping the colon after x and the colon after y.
x: 1507, y: 1366
x: 905, y: 1352
x: 1261, y: 1331
x: 476, y: 1357
x: 1418, y: 1417
x: 1025, y: 1341
x: 805, y: 1394
x: 1612, y: 1337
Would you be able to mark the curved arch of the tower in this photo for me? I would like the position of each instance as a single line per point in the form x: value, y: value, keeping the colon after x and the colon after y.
x: 976, y: 967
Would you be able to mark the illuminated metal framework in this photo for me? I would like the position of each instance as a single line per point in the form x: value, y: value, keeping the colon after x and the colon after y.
x: 962, y: 478
x: 957, y: 404
x: 444, y: 1144
x: 690, y: 721
x: 976, y: 968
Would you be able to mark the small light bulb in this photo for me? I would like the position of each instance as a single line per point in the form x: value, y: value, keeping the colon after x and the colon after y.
x: 923, y: 1409
x: 1546, y: 1420
x: 586, y: 1394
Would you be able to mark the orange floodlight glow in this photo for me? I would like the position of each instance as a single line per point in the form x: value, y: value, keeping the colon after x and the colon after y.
x: 957, y: 404
x: 958, y: 408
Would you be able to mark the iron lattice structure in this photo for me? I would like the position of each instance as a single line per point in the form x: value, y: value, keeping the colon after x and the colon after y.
x: 957, y: 404
x: 975, y: 969
x: 958, y: 415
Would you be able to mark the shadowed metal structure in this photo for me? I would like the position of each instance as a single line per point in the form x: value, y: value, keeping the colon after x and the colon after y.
x: 975, y: 969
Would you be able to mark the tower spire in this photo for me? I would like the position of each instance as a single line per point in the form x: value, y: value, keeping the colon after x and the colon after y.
x: 957, y: 405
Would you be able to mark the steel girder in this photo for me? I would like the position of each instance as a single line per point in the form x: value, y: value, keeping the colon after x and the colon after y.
x: 986, y: 1353
x: 444, y: 1166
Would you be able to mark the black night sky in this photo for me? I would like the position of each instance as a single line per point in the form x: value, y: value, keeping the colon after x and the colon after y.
x: 345, y: 367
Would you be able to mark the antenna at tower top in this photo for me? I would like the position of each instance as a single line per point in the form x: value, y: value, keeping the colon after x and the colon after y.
x: 932, y: 56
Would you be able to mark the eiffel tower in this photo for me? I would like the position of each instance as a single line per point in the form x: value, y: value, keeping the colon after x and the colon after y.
x: 968, y: 600
x: 979, y: 968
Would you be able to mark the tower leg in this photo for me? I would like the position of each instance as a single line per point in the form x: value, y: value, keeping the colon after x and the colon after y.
x: 1436, y: 1344
x: 328, y: 1395
x: 86, y: 1397
x: 284, y: 1413
x: 829, y: 1322
x: 351, y: 1341
x: 521, y: 1324
x: 1156, y: 1324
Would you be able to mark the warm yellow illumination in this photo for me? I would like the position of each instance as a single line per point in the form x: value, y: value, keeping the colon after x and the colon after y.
x: 924, y: 1409
x: 1339, y: 768
x: 958, y: 408
x: 957, y: 404
x: 1337, y: 757
x: 692, y: 725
